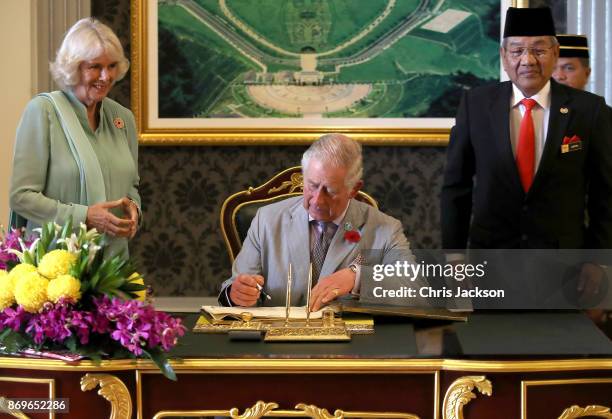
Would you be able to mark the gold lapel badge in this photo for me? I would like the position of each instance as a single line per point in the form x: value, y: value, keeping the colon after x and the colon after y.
x: 564, y: 110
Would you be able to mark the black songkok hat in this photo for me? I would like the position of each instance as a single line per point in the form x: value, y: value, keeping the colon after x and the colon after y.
x: 537, y: 21
x: 573, y: 46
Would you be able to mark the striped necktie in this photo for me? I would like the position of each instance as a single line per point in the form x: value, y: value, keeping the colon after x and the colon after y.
x: 324, y: 232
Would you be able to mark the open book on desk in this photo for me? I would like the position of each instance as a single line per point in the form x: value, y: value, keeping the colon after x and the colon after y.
x: 218, y: 313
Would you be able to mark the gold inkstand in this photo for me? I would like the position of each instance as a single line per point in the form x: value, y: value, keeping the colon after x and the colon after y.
x: 327, y: 328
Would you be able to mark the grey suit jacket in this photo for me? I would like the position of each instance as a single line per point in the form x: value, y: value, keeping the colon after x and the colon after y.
x: 279, y: 235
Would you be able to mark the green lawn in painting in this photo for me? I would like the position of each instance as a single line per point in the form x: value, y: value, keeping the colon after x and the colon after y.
x: 294, y: 25
x: 194, y: 69
x: 415, y: 55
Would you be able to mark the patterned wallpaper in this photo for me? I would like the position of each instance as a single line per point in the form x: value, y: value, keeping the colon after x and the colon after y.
x: 180, y: 250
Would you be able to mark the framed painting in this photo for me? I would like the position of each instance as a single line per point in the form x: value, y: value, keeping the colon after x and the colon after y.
x: 285, y: 71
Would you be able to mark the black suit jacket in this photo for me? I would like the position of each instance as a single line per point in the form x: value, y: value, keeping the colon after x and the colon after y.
x: 483, y: 204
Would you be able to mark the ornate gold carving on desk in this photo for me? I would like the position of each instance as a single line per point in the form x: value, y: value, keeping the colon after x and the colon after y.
x: 258, y: 410
x: 355, y: 324
x: 306, y: 333
x: 263, y: 409
x: 315, y: 412
x: 312, y: 411
x: 13, y: 412
x: 113, y: 390
x: 460, y: 393
x: 580, y: 412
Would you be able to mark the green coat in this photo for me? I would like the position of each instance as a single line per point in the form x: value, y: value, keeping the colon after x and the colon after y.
x: 45, y: 184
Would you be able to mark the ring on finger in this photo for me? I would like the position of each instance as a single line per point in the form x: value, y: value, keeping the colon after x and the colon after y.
x: 336, y: 292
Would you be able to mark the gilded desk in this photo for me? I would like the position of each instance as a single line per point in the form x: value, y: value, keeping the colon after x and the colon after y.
x: 498, y: 365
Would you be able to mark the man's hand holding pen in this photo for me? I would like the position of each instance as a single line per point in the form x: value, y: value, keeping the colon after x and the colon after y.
x: 245, y: 290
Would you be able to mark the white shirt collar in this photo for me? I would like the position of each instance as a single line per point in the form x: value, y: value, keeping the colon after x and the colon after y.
x: 542, y: 97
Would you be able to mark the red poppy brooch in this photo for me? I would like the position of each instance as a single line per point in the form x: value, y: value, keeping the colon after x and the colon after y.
x: 351, y: 235
x: 119, y: 123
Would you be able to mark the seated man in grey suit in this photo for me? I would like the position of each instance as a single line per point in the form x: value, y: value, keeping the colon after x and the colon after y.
x: 325, y: 226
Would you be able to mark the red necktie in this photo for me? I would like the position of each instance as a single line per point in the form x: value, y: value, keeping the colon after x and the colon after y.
x: 525, y: 151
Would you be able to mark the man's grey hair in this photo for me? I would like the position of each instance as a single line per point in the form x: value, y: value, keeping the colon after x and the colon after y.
x: 553, y: 39
x: 337, y: 150
x: 86, y: 40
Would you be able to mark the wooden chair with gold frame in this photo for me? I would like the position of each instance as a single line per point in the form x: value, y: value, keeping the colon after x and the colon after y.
x: 239, y: 209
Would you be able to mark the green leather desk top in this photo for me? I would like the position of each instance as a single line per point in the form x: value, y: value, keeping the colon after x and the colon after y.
x: 491, y: 333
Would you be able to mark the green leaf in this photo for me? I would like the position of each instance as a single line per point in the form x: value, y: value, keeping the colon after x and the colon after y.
x: 48, y: 233
x: 112, y: 282
x: 93, y: 353
x: 40, y: 252
x: 13, y: 341
x: 27, y: 258
x: 5, y: 333
x: 93, y: 282
x: 85, y: 287
x: 97, y: 262
x: 160, y: 359
x: 131, y: 286
x: 83, y: 263
x: 118, y: 293
x: 71, y: 344
x: 67, y: 230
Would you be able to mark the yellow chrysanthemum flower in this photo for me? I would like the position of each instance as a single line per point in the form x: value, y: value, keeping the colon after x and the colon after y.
x: 7, y: 290
x: 64, y: 286
x: 31, y: 291
x: 20, y: 270
x: 137, y: 279
x: 55, y: 263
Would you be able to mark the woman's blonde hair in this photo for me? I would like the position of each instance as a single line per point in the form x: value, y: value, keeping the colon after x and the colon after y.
x: 86, y: 40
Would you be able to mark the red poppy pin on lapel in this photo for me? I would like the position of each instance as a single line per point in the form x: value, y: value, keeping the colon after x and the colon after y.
x: 350, y: 235
x: 119, y: 123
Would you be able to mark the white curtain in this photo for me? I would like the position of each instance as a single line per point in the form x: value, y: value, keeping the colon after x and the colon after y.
x: 593, y: 18
x: 52, y: 18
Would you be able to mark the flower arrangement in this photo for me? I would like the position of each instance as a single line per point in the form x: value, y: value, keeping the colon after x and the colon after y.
x: 58, y: 292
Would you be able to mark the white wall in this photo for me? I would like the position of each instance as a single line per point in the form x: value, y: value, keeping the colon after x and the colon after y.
x: 15, y: 83
x: 593, y: 18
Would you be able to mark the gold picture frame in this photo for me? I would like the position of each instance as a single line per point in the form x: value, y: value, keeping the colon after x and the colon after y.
x: 153, y: 130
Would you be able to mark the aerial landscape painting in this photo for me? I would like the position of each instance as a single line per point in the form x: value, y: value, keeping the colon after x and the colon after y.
x: 322, y: 58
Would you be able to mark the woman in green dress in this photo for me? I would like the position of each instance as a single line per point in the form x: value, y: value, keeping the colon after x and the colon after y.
x: 76, y: 150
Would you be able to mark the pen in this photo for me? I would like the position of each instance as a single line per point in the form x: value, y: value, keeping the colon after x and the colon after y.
x: 260, y: 288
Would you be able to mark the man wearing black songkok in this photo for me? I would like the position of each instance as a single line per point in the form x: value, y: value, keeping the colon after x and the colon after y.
x: 524, y: 154
x: 573, y: 68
